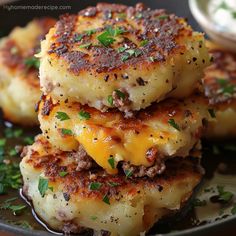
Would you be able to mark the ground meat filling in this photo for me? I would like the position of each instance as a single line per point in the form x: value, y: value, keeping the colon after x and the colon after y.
x: 141, y: 171
x: 85, y: 162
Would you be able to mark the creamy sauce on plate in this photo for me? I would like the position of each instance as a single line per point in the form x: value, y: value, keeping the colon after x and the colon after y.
x: 223, y: 15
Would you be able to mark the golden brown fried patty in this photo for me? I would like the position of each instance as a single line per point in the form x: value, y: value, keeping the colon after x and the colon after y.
x: 164, y: 130
x: 93, y: 199
x: 220, y: 88
x: 117, y: 56
x: 19, y: 83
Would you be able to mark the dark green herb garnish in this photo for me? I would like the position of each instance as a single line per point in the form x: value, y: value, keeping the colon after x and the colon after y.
x: 32, y: 62
x: 79, y: 37
x: 152, y: 59
x: 173, y: 124
x: 105, y: 39
x: 111, y: 161
x: 10, y: 177
x: 16, y: 209
x: 121, y: 49
x: 110, y: 100
x: 139, y: 15
x: 224, y: 196
x: 13, y: 133
x: 28, y: 140
x: 62, y: 116
x: 83, y: 115
x: 199, y: 203
x: 233, y: 210
x: 163, y: 17
x: 144, y: 43
x: 125, y: 57
x: 113, y: 184
x: 90, y: 32
x: 63, y: 173
x: 120, y: 94
x: 106, y: 199
x: 12, y: 152
x: 212, y: 113
x: 121, y: 15
x: 86, y: 45
x: 66, y: 132
x: 43, y: 186
x: 93, y: 217
x: 225, y: 87
x: 2, y: 142
x: 128, y: 173
x: 95, y: 186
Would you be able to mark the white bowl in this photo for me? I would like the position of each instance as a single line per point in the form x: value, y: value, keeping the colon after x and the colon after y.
x: 226, y: 39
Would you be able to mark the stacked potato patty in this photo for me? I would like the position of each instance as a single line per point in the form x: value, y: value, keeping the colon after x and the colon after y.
x: 220, y: 88
x: 19, y: 83
x: 120, y: 117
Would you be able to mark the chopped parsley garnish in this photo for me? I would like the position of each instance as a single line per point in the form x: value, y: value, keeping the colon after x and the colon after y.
x: 111, y: 161
x: 93, y: 217
x: 144, y: 43
x: 28, y: 140
x: 113, y: 184
x: 131, y: 52
x: 125, y: 57
x: 128, y: 173
x: 224, y: 196
x: 43, y: 186
x: 105, y: 39
x: 121, y: 15
x: 13, y: 133
x: 163, y: 17
x: 32, y: 62
x: 121, y: 49
x: 152, y: 59
x: 66, y: 132
x: 12, y: 152
x: 139, y: 15
x: 95, y: 186
x: 79, y: 37
x: 86, y: 45
x: 2, y: 142
x: 225, y: 87
x: 106, y: 199
x: 173, y: 124
x: 199, y: 203
x: 110, y: 100
x: 63, y: 173
x: 62, y: 116
x: 90, y: 32
x: 212, y: 113
x: 233, y: 210
x: 16, y: 209
x: 10, y: 177
x: 120, y: 94
x: 83, y: 115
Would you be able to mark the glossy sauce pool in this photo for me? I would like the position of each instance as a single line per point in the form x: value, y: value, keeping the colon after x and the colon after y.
x: 218, y: 161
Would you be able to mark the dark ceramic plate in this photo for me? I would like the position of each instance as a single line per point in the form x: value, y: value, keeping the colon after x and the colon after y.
x: 205, y: 220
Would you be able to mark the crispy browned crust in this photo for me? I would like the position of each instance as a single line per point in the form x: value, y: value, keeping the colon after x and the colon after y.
x: 77, y: 182
x: 222, y: 69
x: 162, y: 34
